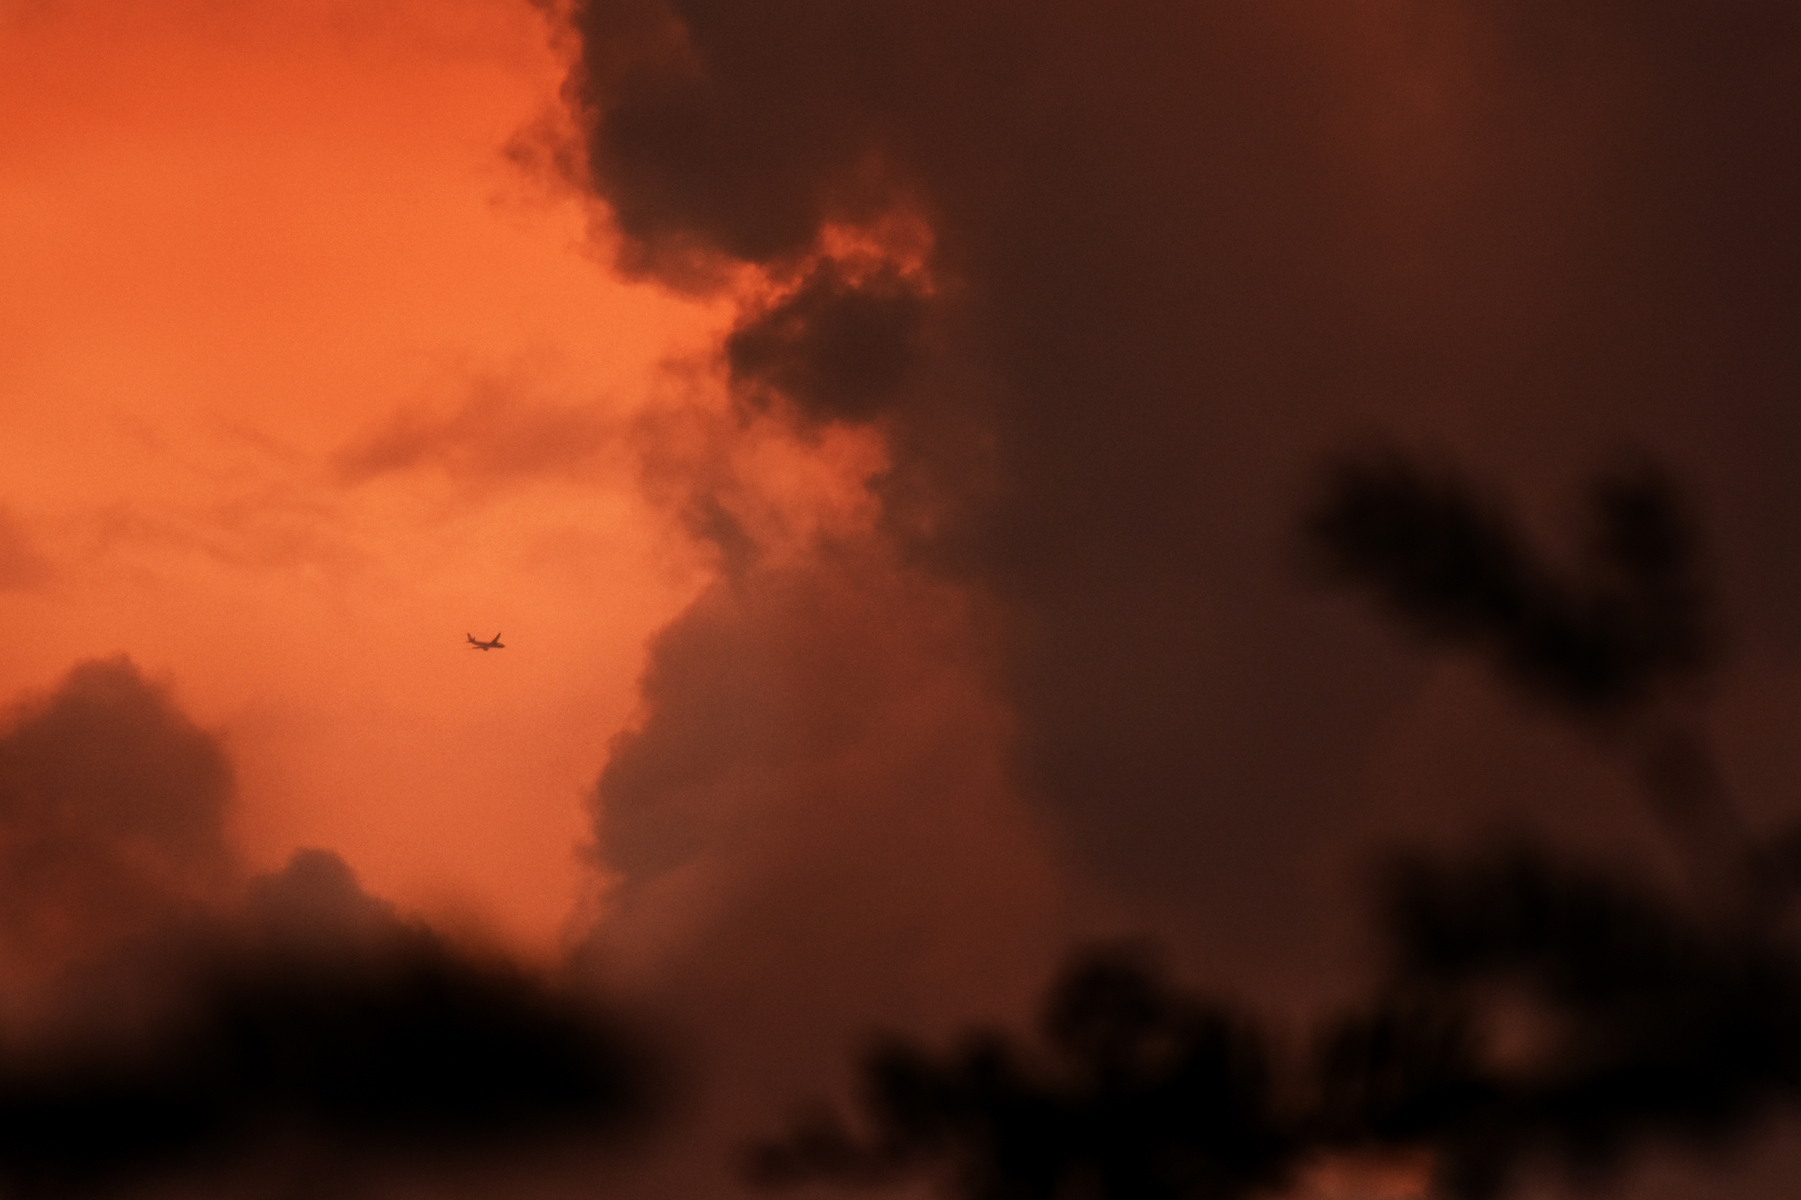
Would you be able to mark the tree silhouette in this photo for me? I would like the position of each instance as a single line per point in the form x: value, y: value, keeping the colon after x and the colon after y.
x: 1533, y: 1010
x: 1660, y: 1013
x: 1451, y: 567
x: 1137, y: 1091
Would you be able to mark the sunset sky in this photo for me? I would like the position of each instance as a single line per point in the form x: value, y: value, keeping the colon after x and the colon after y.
x: 305, y: 380
x: 878, y: 434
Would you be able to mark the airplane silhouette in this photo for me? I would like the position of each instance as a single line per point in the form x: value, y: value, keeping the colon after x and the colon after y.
x: 496, y: 644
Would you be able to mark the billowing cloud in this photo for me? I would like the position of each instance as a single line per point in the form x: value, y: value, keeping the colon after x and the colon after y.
x: 112, y: 818
x: 812, y: 829
x: 1178, y: 253
x: 170, y: 1015
x: 1044, y: 315
x: 310, y: 1034
x: 836, y: 346
x: 1175, y: 255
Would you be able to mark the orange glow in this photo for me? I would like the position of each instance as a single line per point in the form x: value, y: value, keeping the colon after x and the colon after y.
x: 899, y: 241
x: 305, y: 380
x: 1370, y: 1177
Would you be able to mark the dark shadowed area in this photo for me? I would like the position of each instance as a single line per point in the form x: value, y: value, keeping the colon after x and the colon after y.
x: 1173, y: 256
x: 112, y: 820
x: 1079, y: 374
x: 1534, y: 1010
x: 171, y: 1017
x: 1176, y: 253
x: 319, y: 1030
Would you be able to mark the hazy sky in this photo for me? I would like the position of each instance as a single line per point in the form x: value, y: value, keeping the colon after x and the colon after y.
x: 878, y: 433
x: 304, y: 381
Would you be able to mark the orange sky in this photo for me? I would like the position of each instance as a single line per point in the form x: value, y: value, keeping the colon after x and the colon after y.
x: 309, y: 369
x: 303, y: 380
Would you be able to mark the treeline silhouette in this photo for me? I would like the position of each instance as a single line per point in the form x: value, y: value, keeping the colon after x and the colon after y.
x: 1533, y: 1010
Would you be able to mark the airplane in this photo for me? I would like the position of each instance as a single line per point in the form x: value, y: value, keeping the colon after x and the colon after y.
x: 496, y: 644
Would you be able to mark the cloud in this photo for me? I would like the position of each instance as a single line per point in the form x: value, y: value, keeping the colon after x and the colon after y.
x: 171, y: 1016
x: 810, y: 828
x: 22, y: 565
x: 311, y: 1032
x: 112, y: 818
x: 836, y: 346
x: 1173, y: 255
x: 492, y: 434
x: 1178, y: 254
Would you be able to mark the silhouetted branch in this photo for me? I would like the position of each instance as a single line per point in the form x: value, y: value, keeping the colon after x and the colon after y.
x: 1533, y: 1011
x: 1610, y: 642
x: 1451, y: 566
x: 1631, y: 1020
x: 1138, y: 1091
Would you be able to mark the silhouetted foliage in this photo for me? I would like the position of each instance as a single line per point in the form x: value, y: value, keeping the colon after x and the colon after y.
x: 1631, y: 1018
x: 1139, y: 1091
x: 1646, y: 1014
x: 1533, y: 1011
x: 1452, y: 567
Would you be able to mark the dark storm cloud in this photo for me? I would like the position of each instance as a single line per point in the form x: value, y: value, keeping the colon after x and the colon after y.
x: 307, y: 1033
x: 1185, y: 250
x: 112, y: 809
x: 1067, y: 172
x: 169, y: 1016
x: 714, y: 141
x: 776, y: 687
x: 816, y: 830
x: 836, y: 346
